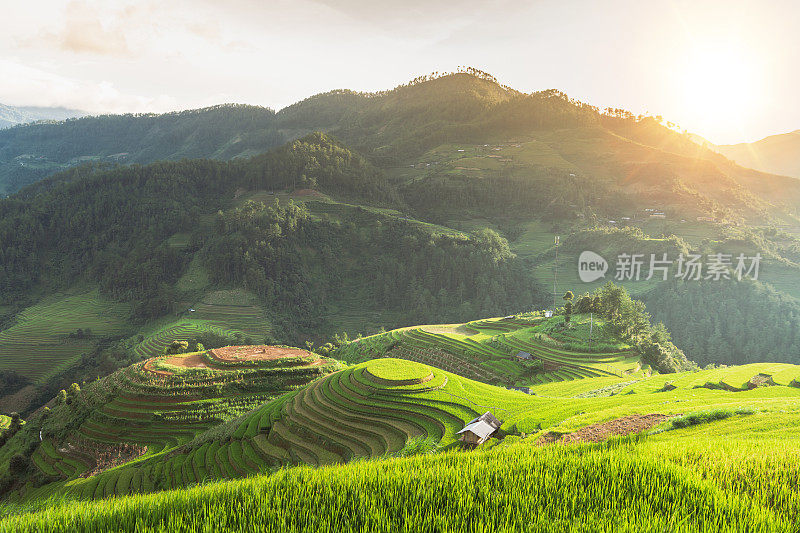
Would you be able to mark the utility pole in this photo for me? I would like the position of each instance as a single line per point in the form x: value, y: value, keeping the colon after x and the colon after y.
x: 591, y: 325
x: 555, y: 274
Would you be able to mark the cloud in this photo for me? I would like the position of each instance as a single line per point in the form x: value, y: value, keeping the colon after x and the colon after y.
x: 84, y: 33
x: 26, y: 85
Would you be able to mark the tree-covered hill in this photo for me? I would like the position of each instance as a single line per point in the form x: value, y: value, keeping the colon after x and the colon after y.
x: 30, y: 152
x: 397, y: 127
x: 730, y: 322
x: 313, y: 233
x: 442, y: 206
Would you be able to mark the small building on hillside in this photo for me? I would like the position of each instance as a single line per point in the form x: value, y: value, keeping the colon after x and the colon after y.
x: 523, y: 355
x: 478, y: 430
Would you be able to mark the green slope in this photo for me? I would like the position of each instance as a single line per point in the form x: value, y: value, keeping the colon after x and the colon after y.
x: 381, y: 407
x: 726, y: 462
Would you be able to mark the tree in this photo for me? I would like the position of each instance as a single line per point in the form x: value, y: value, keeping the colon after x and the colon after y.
x: 73, y: 393
x: 61, y: 398
x: 16, y: 422
x: 176, y: 347
x: 584, y: 304
x: 568, y: 306
x: 18, y: 464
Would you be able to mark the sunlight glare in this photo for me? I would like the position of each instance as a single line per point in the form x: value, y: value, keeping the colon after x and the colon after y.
x: 720, y: 84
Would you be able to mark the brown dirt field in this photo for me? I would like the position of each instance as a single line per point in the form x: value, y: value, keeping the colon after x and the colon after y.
x: 190, y: 361
x: 256, y: 353
x: 600, y: 432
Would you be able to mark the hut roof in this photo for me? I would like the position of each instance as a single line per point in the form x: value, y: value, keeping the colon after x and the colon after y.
x: 523, y: 355
x: 480, y: 428
x: 487, y: 417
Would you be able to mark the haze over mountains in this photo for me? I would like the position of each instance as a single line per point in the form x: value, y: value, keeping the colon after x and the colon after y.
x: 12, y: 116
x: 391, y: 126
x: 777, y: 154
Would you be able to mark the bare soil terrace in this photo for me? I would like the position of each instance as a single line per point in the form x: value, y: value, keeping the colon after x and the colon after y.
x: 256, y: 353
x: 600, y: 432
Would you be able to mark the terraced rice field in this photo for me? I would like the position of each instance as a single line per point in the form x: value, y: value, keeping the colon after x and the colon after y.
x: 736, y: 378
x: 38, y: 344
x: 236, y: 310
x: 228, y: 313
x: 369, y: 410
x: 156, y: 343
x: 486, y: 350
x: 365, y: 411
x: 150, y: 408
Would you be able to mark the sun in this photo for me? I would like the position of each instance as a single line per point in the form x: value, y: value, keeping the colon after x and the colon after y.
x: 720, y: 84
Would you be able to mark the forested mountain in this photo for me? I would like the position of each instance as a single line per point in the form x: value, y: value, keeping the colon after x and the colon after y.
x: 87, y: 225
x: 778, y: 154
x: 31, y: 152
x: 637, y: 156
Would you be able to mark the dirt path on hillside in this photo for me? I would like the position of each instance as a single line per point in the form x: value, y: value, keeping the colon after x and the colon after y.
x: 600, y: 432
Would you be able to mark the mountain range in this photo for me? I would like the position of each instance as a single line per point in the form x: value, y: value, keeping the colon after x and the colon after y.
x: 777, y: 154
x: 12, y: 116
x: 437, y: 201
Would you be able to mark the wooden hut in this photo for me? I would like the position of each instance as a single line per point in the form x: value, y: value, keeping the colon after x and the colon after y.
x: 478, y: 430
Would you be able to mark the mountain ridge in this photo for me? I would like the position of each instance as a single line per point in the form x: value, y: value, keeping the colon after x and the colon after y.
x: 776, y: 154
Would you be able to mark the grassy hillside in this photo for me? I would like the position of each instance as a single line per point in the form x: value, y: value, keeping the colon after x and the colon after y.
x: 646, y: 487
x: 197, y: 236
x: 419, y: 221
x: 714, y: 458
x: 380, y: 408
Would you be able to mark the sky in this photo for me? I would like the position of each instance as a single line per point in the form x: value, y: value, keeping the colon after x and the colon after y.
x: 725, y: 70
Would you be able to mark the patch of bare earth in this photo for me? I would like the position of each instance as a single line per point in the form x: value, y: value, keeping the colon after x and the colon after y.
x: 194, y: 360
x: 600, y: 432
x: 256, y: 353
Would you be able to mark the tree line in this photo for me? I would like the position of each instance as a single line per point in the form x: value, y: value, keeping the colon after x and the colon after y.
x: 729, y: 322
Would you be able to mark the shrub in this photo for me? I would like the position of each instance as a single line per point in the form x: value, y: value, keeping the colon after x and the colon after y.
x: 703, y: 417
x: 18, y: 464
x: 418, y: 446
